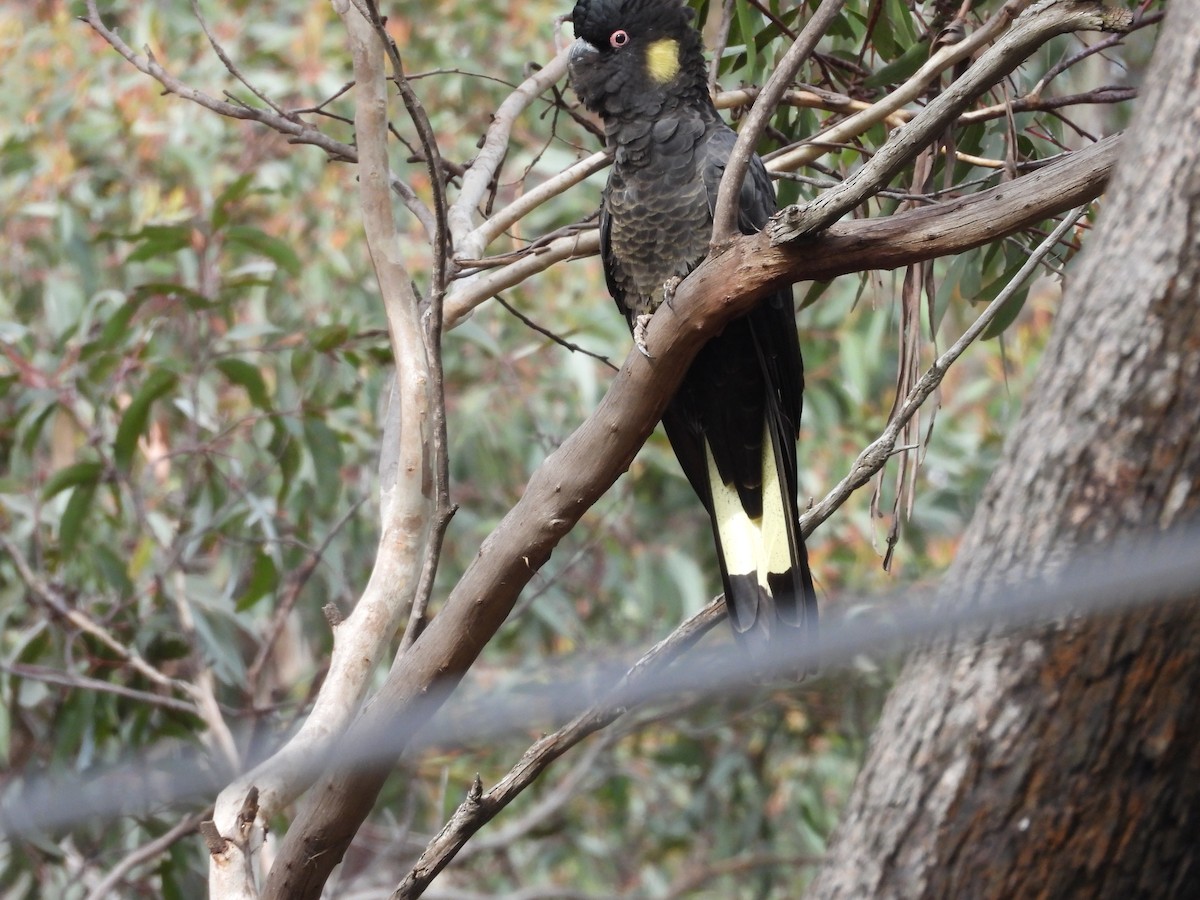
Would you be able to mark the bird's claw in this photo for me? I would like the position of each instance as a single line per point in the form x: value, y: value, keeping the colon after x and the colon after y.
x: 640, y: 324
x: 669, y: 288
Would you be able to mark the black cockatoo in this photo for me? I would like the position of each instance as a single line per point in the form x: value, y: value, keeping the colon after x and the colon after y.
x: 639, y: 65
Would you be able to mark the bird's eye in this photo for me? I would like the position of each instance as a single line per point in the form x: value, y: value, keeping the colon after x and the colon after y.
x: 619, y: 38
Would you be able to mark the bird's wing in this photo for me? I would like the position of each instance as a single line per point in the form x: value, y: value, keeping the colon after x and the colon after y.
x: 746, y: 389
x: 611, y: 276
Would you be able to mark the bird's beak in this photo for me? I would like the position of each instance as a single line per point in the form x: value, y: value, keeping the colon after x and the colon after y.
x: 581, y: 49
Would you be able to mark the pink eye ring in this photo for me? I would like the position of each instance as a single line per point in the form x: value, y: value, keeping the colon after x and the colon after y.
x: 619, y: 38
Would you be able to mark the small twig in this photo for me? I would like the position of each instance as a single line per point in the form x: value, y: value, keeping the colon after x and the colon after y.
x: 320, y: 107
x: 495, y: 145
x: 51, y: 598
x: 500, y: 221
x: 563, y: 342
x: 1031, y: 29
x: 725, y: 224
x: 719, y: 43
x: 1141, y: 21
x: 467, y: 296
x: 86, y: 683
x: 295, y: 129
x: 546, y: 806
x: 284, y: 609
x: 231, y: 66
x: 203, y: 688
x: 872, y: 459
x: 480, y: 808
x: 144, y: 854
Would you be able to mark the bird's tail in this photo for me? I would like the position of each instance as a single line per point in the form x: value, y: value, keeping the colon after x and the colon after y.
x: 764, y: 564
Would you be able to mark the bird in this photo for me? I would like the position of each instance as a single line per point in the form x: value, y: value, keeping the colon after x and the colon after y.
x: 734, y: 422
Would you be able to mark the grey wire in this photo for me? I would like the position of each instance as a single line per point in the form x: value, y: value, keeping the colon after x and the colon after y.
x: 1137, y: 573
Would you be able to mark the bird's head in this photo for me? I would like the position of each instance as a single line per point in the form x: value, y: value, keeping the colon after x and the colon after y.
x: 635, y: 58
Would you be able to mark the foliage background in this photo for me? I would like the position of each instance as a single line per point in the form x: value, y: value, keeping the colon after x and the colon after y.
x: 192, y: 359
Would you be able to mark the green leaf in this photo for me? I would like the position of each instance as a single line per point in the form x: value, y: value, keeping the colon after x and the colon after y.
x: 171, y: 290
x: 267, y: 245
x: 815, y: 290
x: 900, y: 69
x: 286, y: 449
x: 264, y: 577
x: 229, y: 198
x: 1006, y: 316
x: 247, y: 376
x: 81, y: 473
x: 117, y: 325
x: 70, y: 526
x: 1012, y: 306
x: 137, y: 414
x: 326, y: 452
x: 159, y: 240
x: 112, y: 570
x: 748, y: 21
x: 328, y: 337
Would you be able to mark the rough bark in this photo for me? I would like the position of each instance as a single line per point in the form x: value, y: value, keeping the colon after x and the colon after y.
x: 1066, y: 762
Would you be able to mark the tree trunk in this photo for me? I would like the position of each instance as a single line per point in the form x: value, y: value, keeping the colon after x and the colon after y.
x: 1066, y: 762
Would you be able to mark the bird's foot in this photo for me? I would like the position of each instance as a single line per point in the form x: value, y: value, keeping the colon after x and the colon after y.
x: 669, y: 288
x: 640, y: 324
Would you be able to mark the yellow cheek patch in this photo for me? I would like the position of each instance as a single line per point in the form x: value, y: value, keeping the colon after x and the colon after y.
x: 662, y: 57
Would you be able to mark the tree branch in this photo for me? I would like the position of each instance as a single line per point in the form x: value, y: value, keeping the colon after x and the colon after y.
x: 574, y: 476
x: 470, y: 242
x: 406, y: 503
x: 287, y: 123
x: 873, y: 457
x: 479, y: 808
x: 144, y: 854
x: 1031, y: 29
x: 914, y: 87
x: 469, y: 293
x: 728, y: 195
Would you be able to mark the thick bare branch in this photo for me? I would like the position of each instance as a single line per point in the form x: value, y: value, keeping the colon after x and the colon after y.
x: 573, y: 477
x: 361, y: 640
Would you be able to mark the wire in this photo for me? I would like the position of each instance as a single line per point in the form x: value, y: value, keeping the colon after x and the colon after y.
x: 1135, y: 573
